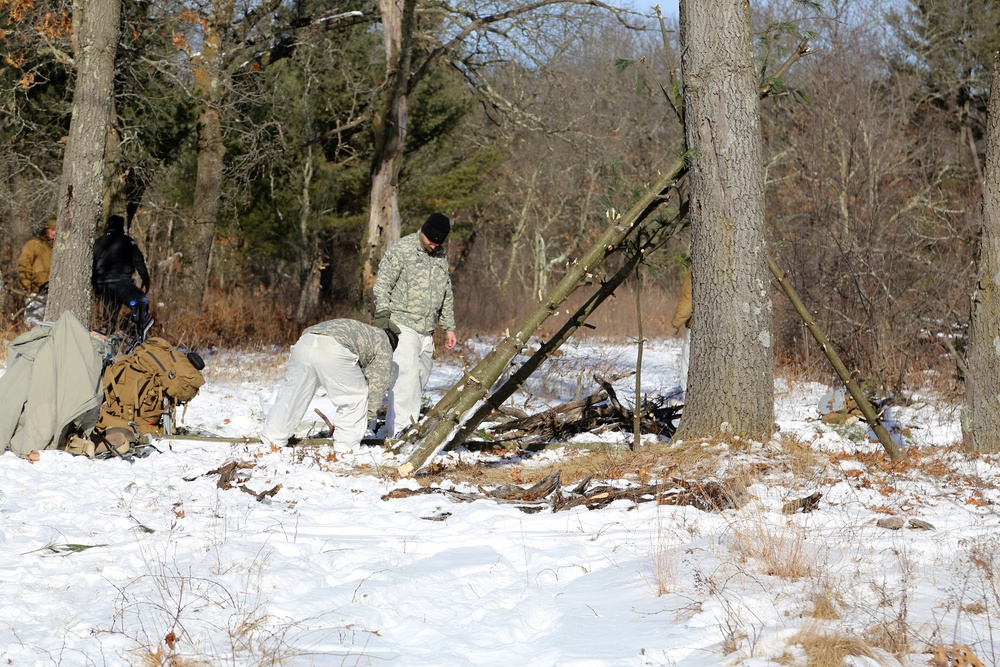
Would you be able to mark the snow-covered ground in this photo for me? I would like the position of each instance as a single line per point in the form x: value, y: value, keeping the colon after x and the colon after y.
x: 114, y: 563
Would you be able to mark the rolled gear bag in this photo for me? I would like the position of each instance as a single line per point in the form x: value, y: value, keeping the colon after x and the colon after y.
x: 142, y: 389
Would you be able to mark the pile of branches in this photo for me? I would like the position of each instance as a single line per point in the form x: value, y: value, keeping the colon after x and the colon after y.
x: 550, y: 494
x: 596, y: 413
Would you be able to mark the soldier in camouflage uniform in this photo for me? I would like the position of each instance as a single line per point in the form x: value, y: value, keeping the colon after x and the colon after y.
x: 412, y: 294
x: 353, y: 362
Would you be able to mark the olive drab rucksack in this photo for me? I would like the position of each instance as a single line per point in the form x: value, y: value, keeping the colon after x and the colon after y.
x: 144, y: 387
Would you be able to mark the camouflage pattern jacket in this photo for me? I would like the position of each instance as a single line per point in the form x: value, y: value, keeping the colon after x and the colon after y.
x: 415, y: 287
x: 374, y: 353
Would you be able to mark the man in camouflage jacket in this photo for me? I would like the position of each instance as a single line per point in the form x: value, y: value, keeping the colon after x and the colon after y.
x: 412, y: 295
x: 353, y: 362
x: 33, y: 267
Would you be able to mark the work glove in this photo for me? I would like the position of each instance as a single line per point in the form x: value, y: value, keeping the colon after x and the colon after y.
x: 145, y: 287
x: 382, y: 319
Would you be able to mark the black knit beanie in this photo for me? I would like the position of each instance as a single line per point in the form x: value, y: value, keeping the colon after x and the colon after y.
x: 436, y: 228
x: 116, y: 223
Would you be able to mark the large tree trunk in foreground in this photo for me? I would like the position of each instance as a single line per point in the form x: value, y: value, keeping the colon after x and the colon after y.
x: 398, y: 17
x: 732, y: 359
x: 981, y: 421
x: 95, y: 30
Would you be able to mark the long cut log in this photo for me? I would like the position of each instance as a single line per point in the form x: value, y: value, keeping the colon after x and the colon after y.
x: 481, y: 379
x: 859, y: 396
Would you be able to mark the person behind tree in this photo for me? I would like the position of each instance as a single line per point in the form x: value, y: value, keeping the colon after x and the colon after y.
x: 33, y: 267
x: 353, y: 362
x: 412, y: 294
x: 116, y: 258
x: 682, y: 320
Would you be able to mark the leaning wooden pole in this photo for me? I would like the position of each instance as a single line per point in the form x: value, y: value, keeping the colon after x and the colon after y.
x: 859, y: 396
x: 574, y: 322
x: 477, y: 382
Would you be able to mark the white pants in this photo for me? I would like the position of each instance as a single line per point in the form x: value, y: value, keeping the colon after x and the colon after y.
x: 320, y: 360
x: 685, y: 359
x: 412, y: 362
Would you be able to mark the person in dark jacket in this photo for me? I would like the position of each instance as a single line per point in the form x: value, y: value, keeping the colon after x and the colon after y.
x: 116, y: 259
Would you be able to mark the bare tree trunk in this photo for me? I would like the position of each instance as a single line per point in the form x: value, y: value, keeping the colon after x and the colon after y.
x: 123, y: 188
x: 398, y: 17
x: 210, y: 88
x: 732, y: 358
x: 95, y: 30
x: 114, y: 182
x: 311, y: 262
x: 981, y: 420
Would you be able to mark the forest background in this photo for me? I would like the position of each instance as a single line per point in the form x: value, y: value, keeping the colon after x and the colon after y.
x: 525, y: 131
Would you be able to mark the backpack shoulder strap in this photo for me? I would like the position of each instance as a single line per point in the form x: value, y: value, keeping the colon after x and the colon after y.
x: 113, y: 380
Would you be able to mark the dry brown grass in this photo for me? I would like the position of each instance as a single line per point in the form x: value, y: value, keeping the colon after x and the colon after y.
x: 982, y: 556
x: 780, y: 548
x: 603, y: 463
x: 798, y: 457
x: 245, y: 320
x: 161, y: 658
x: 663, y: 558
x: 824, y: 607
x: 829, y: 649
x: 687, y: 460
x: 892, y: 637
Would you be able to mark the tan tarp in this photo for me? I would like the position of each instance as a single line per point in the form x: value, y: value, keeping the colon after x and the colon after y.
x: 51, y: 387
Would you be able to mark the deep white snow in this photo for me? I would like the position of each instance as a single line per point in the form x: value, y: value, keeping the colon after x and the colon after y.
x: 114, y: 563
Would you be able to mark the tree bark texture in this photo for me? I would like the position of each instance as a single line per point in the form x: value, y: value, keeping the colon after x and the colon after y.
x: 95, y: 40
x: 209, y: 84
x: 113, y: 199
x: 981, y: 421
x: 398, y: 17
x: 732, y: 357
x: 311, y: 263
